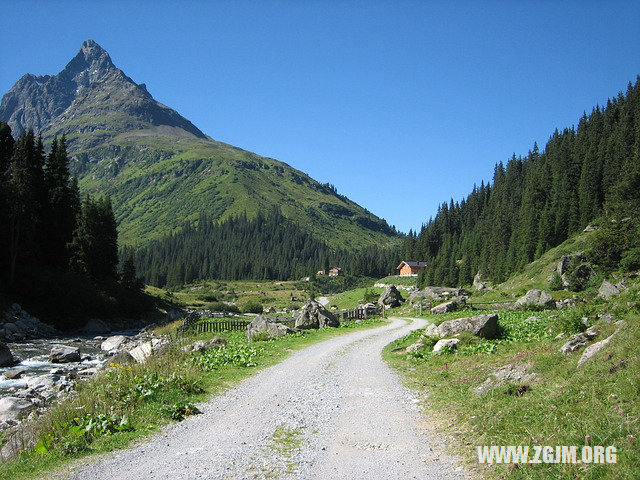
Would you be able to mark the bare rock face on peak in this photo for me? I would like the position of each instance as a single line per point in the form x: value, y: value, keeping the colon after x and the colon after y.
x: 90, y: 95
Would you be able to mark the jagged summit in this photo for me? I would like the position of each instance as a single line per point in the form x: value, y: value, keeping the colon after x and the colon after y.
x: 89, y: 100
x: 91, y: 57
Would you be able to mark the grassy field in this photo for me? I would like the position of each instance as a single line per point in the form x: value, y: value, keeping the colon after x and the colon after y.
x: 597, y: 404
x: 128, y: 402
x: 201, y: 295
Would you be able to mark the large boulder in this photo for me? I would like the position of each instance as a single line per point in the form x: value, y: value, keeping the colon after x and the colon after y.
x: 484, y: 326
x: 264, y: 326
x: 64, y: 354
x: 478, y: 283
x: 6, y: 357
x: 145, y: 349
x: 314, y: 315
x: 510, y: 373
x: 113, y: 343
x: 592, y: 350
x: 536, y: 298
x: 445, y: 307
x: 390, y: 297
x: 608, y: 290
x: 14, y: 408
x: 204, y: 345
x: 95, y: 326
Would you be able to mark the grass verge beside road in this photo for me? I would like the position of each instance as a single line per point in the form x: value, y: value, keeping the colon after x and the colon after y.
x: 596, y: 404
x: 127, y: 402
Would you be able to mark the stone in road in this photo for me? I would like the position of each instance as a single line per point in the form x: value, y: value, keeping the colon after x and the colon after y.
x: 334, y: 410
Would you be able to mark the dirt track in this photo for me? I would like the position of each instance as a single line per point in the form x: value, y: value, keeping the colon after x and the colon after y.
x: 334, y: 410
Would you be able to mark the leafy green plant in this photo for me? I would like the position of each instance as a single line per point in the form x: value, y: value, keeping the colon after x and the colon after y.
x: 236, y: 353
x: 179, y: 411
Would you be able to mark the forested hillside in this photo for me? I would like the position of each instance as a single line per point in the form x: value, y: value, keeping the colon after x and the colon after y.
x: 267, y: 247
x: 536, y: 202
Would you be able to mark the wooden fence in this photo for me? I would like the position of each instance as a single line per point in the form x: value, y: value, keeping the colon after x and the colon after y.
x: 226, y: 324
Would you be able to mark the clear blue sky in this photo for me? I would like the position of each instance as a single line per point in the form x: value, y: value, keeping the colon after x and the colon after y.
x: 401, y: 105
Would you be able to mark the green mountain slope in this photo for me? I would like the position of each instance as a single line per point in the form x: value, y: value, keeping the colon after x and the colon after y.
x: 160, y: 169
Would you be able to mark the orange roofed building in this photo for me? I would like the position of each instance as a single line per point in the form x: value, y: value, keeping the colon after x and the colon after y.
x: 409, y: 268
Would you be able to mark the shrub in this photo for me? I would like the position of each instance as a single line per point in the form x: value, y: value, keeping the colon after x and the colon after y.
x: 252, y: 307
x: 631, y: 260
x: 369, y: 296
x: 209, y: 297
x: 179, y: 411
x: 556, y: 282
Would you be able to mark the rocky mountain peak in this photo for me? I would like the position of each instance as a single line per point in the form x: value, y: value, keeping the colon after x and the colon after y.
x: 90, y: 87
x: 91, y: 62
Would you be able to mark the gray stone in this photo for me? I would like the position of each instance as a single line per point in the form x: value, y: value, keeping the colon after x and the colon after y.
x: 14, y: 408
x: 113, y: 343
x: 446, y: 343
x: 142, y: 352
x: 14, y: 373
x: 6, y: 357
x: 484, y: 326
x: 314, y: 315
x: 45, y: 381
x: 536, y: 298
x: 606, y: 290
x: 11, y: 327
x: 510, y: 373
x: 579, y: 340
x: 390, y: 297
x: 592, y: 350
x: 64, y: 354
x: 414, y: 347
x: 262, y: 325
x: 445, y: 307
x: 478, y: 283
x: 431, y: 331
x: 203, y: 345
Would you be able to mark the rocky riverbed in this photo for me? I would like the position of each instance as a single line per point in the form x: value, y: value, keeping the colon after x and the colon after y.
x: 39, y: 364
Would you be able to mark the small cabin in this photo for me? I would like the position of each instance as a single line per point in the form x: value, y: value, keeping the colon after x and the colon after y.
x: 409, y: 268
x: 335, y: 271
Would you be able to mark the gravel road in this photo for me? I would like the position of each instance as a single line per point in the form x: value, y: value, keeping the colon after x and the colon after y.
x: 334, y: 410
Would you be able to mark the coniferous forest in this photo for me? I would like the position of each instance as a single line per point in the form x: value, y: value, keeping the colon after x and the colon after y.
x: 536, y: 202
x: 267, y: 247
x: 50, y: 239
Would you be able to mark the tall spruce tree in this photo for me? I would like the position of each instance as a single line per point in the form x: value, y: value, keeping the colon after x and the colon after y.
x: 62, y: 205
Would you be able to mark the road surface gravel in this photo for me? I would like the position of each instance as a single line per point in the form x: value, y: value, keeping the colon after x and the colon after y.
x: 334, y: 410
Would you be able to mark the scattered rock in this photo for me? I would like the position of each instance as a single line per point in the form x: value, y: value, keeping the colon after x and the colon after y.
x: 122, y: 358
x: 446, y: 343
x: 608, y: 290
x: 511, y: 373
x: 203, y: 345
x: 142, y: 352
x: 390, y: 297
x: 431, y: 331
x: 47, y: 381
x: 445, y: 307
x: 589, y: 228
x: 478, y: 283
x: 484, y: 326
x: 14, y: 374
x: 6, y: 357
x: 64, y: 354
x: 536, y: 298
x: 314, y: 315
x: 263, y: 325
x: 414, y: 347
x: 113, y: 343
x: 88, y: 372
x: 578, y: 341
x: 592, y: 350
x: 14, y: 408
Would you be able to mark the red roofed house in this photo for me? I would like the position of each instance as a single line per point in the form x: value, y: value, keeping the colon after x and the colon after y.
x: 409, y: 268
